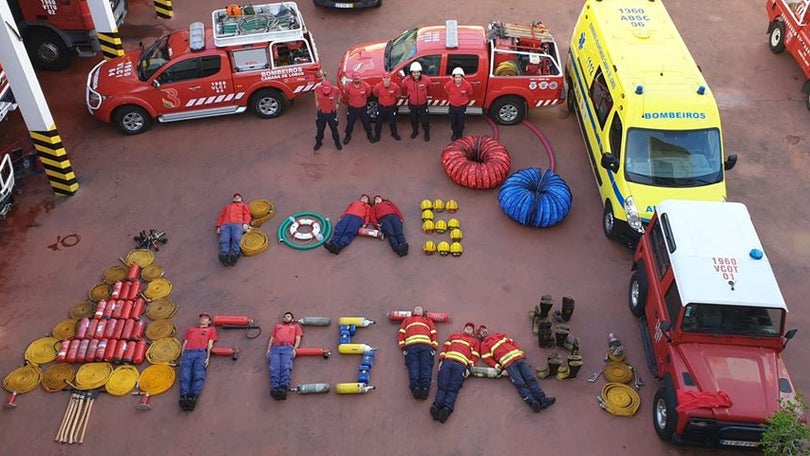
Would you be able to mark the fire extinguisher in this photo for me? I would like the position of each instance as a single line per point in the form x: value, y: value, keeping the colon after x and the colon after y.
x: 109, y: 352
x: 120, y: 349
x: 99, y: 332
x: 63, y: 349
x: 137, y: 333
x: 134, y: 290
x: 124, y: 290
x: 102, y: 347
x: 73, y: 350
x: 100, y: 309
x: 81, y: 330
x: 138, y: 308
x: 80, y: 356
x: 140, y: 352
x: 134, y: 271
x: 119, y: 329
x: 119, y: 307
x: 231, y: 320
x: 109, y: 309
x: 91, y: 351
x: 129, y: 353
x: 116, y: 291
x: 129, y: 326
x: 91, y: 329
x: 109, y: 330
x: 126, y: 311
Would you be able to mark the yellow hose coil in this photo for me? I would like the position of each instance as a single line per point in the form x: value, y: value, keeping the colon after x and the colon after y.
x: 261, y: 208
x: 42, y: 351
x: 57, y: 377
x: 23, y: 379
x: 158, y: 288
x: 257, y: 222
x: 620, y: 399
x: 160, y: 329
x: 98, y: 292
x: 156, y: 379
x: 142, y: 257
x: 82, y: 309
x: 92, y: 376
x: 161, y: 309
x: 152, y: 272
x: 508, y: 68
x: 65, y: 329
x: 618, y: 372
x: 114, y: 274
x: 253, y: 242
x: 164, y: 351
x: 122, y: 380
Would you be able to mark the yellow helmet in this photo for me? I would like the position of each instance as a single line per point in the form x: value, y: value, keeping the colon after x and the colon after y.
x: 453, y: 224
x: 438, y: 205
x: 451, y: 206
x: 427, y: 226
x: 440, y: 226
x: 456, y: 249
x: 429, y: 248
x: 443, y: 248
x: 425, y: 204
x: 455, y: 235
x: 427, y: 214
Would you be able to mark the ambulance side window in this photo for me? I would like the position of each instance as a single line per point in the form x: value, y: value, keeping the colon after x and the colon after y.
x: 600, y: 97
x: 468, y: 63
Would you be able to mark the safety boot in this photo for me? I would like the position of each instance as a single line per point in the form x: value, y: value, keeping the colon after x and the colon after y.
x: 567, y: 309
x: 338, y: 145
x: 554, y: 362
x: 396, y: 136
x: 561, y: 332
x: 317, y: 145
x: 544, y: 335
x: 347, y: 139
x: 546, y: 302
x: 574, y: 365
x: 192, y: 403
x: 223, y: 258
x: 427, y: 136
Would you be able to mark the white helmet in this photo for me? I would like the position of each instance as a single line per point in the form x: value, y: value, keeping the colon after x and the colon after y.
x: 458, y: 70
x: 416, y: 66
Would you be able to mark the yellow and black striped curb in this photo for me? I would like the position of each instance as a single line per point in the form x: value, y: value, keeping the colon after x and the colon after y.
x: 163, y: 8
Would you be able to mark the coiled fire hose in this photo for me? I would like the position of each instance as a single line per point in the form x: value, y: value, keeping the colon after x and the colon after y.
x: 122, y: 380
x: 98, y: 292
x: 91, y: 376
x: 65, y: 329
x: 156, y: 379
x: 57, y: 377
x: 114, y: 274
x: 254, y: 242
x: 261, y: 211
x: 161, y: 309
x: 143, y: 257
x: 82, y: 309
x: 158, y: 289
x: 160, y: 329
x: 617, y: 372
x: 323, y: 236
x: 42, y: 351
x: 619, y: 399
x: 152, y: 272
x: 164, y: 351
x: 23, y: 379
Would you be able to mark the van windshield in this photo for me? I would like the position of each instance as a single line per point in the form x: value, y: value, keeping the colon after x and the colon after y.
x: 673, y: 158
x: 400, y: 49
x: 153, y: 57
x: 732, y: 320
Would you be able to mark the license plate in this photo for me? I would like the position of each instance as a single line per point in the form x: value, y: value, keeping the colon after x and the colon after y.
x: 739, y: 443
x: 344, y: 5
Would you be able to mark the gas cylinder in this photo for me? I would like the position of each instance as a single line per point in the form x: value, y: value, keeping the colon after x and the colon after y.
x: 124, y: 290
x: 398, y: 315
x: 484, y: 372
x: 232, y: 320
x: 120, y: 349
x: 63, y: 349
x: 81, y: 329
x: 129, y: 326
x: 437, y: 317
x: 228, y: 351
x: 360, y: 322
x: 73, y: 350
x: 82, y: 353
x: 137, y: 308
x: 134, y: 271
x: 100, y: 349
x: 91, y: 351
x: 116, y: 313
x: 109, y: 352
x: 353, y: 388
x: 99, y: 332
x: 140, y: 352
x: 91, y: 329
x: 100, y: 306
x: 119, y: 329
x: 137, y: 333
x: 134, y: 290
x: 311, y: 388
x: 311, y: 352
x: 129, y: 353
x: 109, y: 330
x: 109, y: 309
x: 354, y: 349
x: 315, y: 321
x: 126, y: 309
x: 116, y: 291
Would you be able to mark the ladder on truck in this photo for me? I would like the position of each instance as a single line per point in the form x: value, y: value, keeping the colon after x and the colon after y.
x: 524, y: 37
x: 258, y: 24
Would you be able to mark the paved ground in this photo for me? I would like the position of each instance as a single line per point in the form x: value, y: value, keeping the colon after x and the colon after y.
x: 177, y: 176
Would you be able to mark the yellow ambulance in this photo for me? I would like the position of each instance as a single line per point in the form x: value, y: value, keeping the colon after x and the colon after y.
x: 649, y: 120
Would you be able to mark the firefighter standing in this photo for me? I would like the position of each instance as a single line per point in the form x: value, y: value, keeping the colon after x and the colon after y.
x: 356, y: 216
x: 418, y: 341
x: 356, y: 94
x: 387, y: 216
x: 459, y: 354
x: 501, y: 352
x: 327, y: 98
x: 387, y: 93
x: 233, y: 221
x: 284, y: 340
x: 416, y: 88
x: 459, y: 94
x: 197, y: 344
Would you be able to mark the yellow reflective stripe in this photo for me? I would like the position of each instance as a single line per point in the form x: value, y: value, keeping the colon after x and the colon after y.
x: 418, y: 339
x: 418, y: 323
x: 475, y: 354
x: 505, y: 359
x: 456, y: 356
x: 498, y: 344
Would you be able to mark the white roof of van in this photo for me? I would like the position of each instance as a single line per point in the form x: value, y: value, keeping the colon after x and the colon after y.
x: 714, y: 258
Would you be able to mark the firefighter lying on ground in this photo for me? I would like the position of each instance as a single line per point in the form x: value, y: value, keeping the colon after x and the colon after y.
x: 284, y: 340
x: 232, y: 223
x: 459, y: 354
x: 387, y: 216
x: 418, y: 341
x: 356, y: 216
x: 197, y: 344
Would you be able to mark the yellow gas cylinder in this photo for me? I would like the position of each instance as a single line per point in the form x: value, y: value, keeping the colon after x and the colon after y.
x: 360, y: 322
x: 354, y: 349
x: 353, y: 388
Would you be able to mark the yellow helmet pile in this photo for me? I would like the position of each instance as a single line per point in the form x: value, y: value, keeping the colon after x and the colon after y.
x: 430, y: 225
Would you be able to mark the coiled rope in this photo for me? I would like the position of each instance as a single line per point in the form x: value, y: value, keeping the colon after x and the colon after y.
x: 92, y: 376
x: 161, y: 309
x: 57, y: 377
x: 65, y: 329
x: 160, y: 329
x: 42, y: 351
x: 618, y: 372
x: 619, y: 399
x: 254, y: 242
x: 122, y: 380
x: 156, y: 379
x: 23, y: 379
x: 158, y: 289
x: 164, y: 351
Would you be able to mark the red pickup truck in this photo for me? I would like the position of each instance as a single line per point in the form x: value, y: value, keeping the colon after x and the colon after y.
x: 789, y: 29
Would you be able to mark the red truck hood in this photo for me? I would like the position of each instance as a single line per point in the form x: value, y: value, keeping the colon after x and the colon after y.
x: 365, y: 58
x: 748, y: 375
x: 118, y: 75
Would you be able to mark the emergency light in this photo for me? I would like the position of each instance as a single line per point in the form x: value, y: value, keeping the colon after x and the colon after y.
x: 451, y: 40
x: 196, y: 36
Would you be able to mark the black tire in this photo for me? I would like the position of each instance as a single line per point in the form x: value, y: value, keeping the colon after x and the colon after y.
x: 609, y: 221
x: 776, y: 37
x: 665, y: 415
x: 379, y: 4
x: 638, y: 291
x: 46, y: 49
x: 373, y: 109
x: 267, y: 103
x: 508, y: 110
x: 132, y: 120
x: 569, y: 99
x: 807, y: 101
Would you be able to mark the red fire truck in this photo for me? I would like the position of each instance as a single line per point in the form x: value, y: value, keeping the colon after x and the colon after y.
x: 52, y: 28
x: 512, y: 67
x: 6, y: 167
x: 256, y: 58
x: 789, y: 28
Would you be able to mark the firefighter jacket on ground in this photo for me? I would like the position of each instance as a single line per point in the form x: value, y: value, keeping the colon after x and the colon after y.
x: 417, y: 330
x: 383, y: 208
x: 500, y: 350
x: 234, y: 213
x: 462, y: 348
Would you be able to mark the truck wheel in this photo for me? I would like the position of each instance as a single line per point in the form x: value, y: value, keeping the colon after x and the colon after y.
x: 47, y: 50
x: 609, y: 221
x: 132, y: 120
x: 665, y: 417
x: 638, y: 291
x: 776, y: 40
x: 267, y: 103
x: 508, y: 110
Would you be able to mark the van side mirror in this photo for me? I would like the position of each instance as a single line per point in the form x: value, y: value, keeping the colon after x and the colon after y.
x: 666, y: 326
x: 401, y: 73
x: 156, y: 84
x: 730, y: 162
x: 610, y: 162
x: 789, y: 335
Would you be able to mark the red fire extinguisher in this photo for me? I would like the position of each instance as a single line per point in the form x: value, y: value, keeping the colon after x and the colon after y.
x: 140, y: 352
x: 102, y: 347
x: 124, y: 290
x: 129, y: 353
x: 138, y: 308
x: 109, y: 352
x: 80, y: 356
x: 73, y: 350
x: 109, y: 309
x: 232, y: 320
x: 134, y: 290
x: 91, y: 329
x: 109, y: 330
x: 119, y: 329
x: 91, y: 351
x: 129, y: 326
x: 134, y: 271
x: 99, y: 333
x: 81, y: 330
x: 119, y: 307
x: 120, y: 349
x: 116, y: 291
x: 100, y: 306
x: 126, y: 311
x: 63, y: 349
x: 137, y: 333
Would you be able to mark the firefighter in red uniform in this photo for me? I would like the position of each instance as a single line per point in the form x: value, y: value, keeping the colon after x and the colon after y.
x: 356, y: 94
x: 387, y: 93
x: 459, y: 94
x: 418, y: 341
x: 501, y: 352
x: 233, y: 221
x: 388, y: 218
x: 416, y: 88
x: 356, y: 216
x: 284, y: 340
x: 459, y: 354
x: 327, y: 98
x: 197, y: 345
